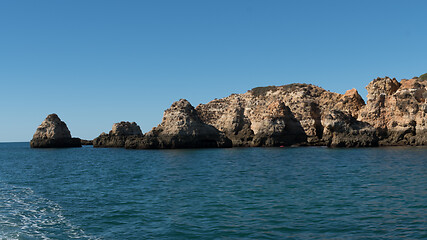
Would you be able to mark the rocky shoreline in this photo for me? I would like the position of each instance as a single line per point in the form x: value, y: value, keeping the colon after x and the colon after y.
x: 274, y: 116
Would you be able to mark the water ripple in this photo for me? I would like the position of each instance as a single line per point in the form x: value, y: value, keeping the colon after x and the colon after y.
x: 251, y: 193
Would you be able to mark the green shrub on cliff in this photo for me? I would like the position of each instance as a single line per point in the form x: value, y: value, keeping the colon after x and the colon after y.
x: 423, y: 77
x: 261, y: 91
x: 258, y: 91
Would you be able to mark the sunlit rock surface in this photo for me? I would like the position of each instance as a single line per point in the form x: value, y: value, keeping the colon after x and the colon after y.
x: 181, y: 127
x: 53, y: 133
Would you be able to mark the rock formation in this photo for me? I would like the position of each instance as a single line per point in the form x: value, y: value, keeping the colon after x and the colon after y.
x: 275, y: 116
x: 294, y: 114
x: 86, y: 142
x: 343, y: 130
x: 53, y: 133
x: 397, y: 110
x: 181, y: 127
x: 118, y: 135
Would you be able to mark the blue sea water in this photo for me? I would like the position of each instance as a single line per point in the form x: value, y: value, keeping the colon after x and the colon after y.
x: 238, y: 193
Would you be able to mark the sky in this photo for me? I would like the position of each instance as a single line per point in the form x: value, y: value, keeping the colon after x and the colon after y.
x: 98, y: 62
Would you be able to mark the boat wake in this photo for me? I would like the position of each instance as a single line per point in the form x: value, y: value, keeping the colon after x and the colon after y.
x: 26, y: 215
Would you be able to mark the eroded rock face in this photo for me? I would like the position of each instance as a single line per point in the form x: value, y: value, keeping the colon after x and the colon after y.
x: 301, y: 114
x: 276, y: 126
x: 397, y: 110
x: 283, y: 115
x: 53, y: 133
x: 228, y: 116
x: 342, y: 130
x: 126, y: 129
x: 118, y: 135
x: 181, y: 127
x: 351, y: 103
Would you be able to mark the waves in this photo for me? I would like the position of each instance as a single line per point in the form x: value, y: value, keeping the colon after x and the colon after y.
x: 26, y: 215
x: 286, y: 193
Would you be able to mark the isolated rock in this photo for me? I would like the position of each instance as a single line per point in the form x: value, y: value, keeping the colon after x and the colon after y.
x: 53, y: 133
x: 118, y: 135
x: 181, y: 128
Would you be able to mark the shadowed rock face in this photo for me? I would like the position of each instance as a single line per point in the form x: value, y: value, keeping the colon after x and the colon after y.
x: 342, y: 130
x: 118, y: 135
x: 181, y: 127
x: 53, y: 133
x: 277, y: 126
x: 86, y: 142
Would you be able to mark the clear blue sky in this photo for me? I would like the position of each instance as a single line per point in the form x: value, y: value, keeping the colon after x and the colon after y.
x: 99, y: 62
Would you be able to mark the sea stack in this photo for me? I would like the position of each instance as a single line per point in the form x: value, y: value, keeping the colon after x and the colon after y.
x: 118, y: 135
x: 53, y: 133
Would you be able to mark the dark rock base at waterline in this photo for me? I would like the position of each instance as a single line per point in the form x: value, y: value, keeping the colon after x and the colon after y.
x: 173, y: 142
x: 86, y: 142
x: 56, y: 143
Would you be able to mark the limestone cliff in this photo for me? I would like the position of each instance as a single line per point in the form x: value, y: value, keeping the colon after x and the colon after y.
x: 282, y: 115
x: 294, y: 114
x: 397, y: 110
x: 53, y: 133
x: 343, y: 130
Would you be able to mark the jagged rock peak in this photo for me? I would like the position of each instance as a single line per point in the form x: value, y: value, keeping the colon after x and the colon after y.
x: 353, y: 93
x: 382, y: 86
x: 181, y: 127
x: 181, y: 113
x: 180, y: 118
x: 182, y: 106
x: 53, y: 133
x: 126, y: 129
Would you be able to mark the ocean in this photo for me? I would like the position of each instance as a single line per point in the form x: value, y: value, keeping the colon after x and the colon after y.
x: 237, y: 193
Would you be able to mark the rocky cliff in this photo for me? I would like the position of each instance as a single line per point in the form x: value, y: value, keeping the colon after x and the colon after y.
x: 398, y: 110
x: 283, y: 115
x: 294, y: 114
x: 53, y: 133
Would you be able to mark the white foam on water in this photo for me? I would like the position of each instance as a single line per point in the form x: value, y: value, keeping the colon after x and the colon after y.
x: 26, y: 215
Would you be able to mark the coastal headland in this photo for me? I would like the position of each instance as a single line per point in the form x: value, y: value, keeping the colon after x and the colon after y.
x: 273, y: 116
